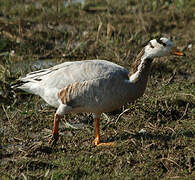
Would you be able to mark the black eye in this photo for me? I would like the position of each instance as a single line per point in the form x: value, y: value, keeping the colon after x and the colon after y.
x: 163, y: 43
x: 151, y: 45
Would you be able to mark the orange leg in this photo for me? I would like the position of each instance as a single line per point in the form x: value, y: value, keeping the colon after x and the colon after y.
x: 55, y: 134
x: 96, y: 141
x: 97, y: 131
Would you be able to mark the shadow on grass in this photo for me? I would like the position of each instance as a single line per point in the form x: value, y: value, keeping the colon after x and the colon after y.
x: 37, y: 164
x: 153, y: 136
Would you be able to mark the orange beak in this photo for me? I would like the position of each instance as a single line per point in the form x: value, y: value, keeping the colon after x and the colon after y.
x: 177, y: 52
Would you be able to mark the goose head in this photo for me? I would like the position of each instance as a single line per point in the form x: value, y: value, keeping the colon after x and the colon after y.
x: 161, y: 47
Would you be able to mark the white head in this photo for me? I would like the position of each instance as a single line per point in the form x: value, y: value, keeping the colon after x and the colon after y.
x: 161, y: 47
x: 155, y: 48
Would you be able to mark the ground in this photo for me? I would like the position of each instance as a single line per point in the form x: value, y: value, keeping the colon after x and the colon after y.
x: 154, y: 136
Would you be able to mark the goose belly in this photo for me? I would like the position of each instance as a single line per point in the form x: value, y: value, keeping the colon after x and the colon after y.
x: 105, y: 98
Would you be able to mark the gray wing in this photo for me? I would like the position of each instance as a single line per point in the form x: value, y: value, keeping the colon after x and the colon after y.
x: 81, y: 83
x: 67, y: 73
x: 102, y: 89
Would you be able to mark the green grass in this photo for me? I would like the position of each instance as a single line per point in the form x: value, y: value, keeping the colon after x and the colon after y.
x: 42, y: 32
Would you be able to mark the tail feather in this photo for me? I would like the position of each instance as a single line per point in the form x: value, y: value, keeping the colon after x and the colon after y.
x: 28, y: 86
x: 32, y: 77
x: 31, y: 82
x: 18, y: 84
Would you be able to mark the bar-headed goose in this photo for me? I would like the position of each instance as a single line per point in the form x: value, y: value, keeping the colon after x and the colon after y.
x: 95, y: 86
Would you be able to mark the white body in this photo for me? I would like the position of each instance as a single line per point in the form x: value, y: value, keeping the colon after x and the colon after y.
x: 97, y: 86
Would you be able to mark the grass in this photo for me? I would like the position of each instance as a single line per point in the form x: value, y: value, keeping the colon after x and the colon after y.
x: 35, y: 35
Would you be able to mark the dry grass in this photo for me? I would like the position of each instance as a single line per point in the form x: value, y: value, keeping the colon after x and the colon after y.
x: 35, y: 34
